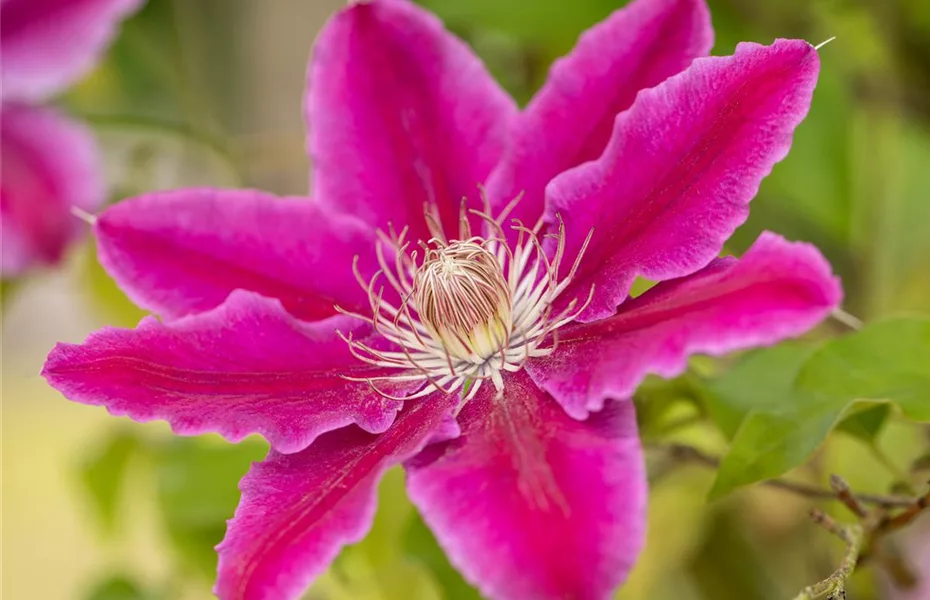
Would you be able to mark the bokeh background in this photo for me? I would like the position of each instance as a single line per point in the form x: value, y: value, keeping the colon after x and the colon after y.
x: 209, y: 92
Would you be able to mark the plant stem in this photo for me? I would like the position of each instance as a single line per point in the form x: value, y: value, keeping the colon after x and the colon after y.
x: 841, y: 316
x: 835, y: 584
x: 686, y: 453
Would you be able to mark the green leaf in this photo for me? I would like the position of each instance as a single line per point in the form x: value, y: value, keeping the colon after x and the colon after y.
x: 793, y: 406
x: 197, y: 487
x: 117, y: 587
x: 420, y: 542
x: 768, y: 444
x: 865, y: 421
x: 761, y: 381
x: 102, y: 475
x: 888, y: 359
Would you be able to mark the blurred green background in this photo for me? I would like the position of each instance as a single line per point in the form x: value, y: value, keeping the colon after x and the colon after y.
x: 209, y: 92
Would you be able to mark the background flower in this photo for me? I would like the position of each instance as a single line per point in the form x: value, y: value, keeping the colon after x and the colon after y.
x: 50, y: 162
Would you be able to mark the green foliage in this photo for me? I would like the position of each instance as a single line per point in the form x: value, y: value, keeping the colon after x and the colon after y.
x: 865, y: 421
x: 104, y: 472
x: 886, y: 360
x: 118, y: 587
x: 419, y: 542
x: 554, y: 24
x: 197, y: 488
x: 786, y: 399
x: 761, y: 382
x: 770, y: 443
x: 380, y: 567
x: 196, y: 485
x: 103, y: 292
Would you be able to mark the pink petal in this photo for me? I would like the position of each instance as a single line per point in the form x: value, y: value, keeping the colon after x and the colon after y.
x: 298, y: 510
x: 245, y: 367
x: 681, y: 168
x: 531, y: 504
x: 570, y: 119
x: 184, y: 251
x: 401, y: 114
x: 777, y: 290
x: 49, y: 44
x: 50, y: 164
x: 914, y: 549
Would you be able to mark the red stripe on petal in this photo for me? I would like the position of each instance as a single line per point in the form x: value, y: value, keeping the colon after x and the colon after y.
x: 246, y: 367
x: 530, y: 504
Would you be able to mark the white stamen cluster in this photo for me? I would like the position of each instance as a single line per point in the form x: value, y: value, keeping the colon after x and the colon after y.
x: 469, y: 309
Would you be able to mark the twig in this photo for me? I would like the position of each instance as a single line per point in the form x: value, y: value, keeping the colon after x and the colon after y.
x: 847, y: 319
x: 845, y: 495
x: 835, y: 585
x: 683, y: 452
x: 864, y: 540
x: 907, y: 516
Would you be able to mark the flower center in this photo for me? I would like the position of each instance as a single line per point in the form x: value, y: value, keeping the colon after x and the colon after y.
x: 462, y: 298
x: 468, y: 309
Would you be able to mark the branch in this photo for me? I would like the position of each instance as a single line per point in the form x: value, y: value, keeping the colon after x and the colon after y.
x: 864, y: 540
x: 835, y: 584
x: 906, y: 517
x: 846, y: 319
x: 685, y: 453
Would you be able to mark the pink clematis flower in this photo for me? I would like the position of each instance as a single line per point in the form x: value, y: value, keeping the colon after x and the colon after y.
x: 50, y: 162
x: 484, y: 338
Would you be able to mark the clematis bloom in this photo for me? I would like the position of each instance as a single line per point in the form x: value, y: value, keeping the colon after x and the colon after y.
x: 481, y: 335
x: 50, y: 162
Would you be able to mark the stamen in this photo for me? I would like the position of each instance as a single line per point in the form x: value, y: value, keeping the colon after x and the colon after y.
x: 471, y: 309
x: 464, y: 225
x: 433, y: 223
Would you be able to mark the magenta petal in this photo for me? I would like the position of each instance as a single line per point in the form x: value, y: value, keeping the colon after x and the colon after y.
x: 681, y: 167
x: 245, y: 367
x: 49, y: 44
x: 569, y: 121
x: 400, y: 114
x: 530, y: 504
x: 184, y: 251
x: 298, y: 510
x: 777, y: 290
x: 50, y: 164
